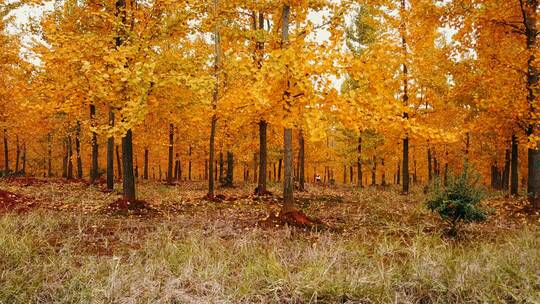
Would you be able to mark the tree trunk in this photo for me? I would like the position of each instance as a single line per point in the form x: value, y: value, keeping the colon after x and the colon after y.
x: 359, y: 162
x: 6, y: 153
x: 170, y: 161
x: 398, y: 181
x: 351, y: 175
x: 17, y: 153
x: 110, y: 155
x: 301, y: 161
x: 145, y: 173
x: 70, y: 158
x: 514, y: 167
x: 529, y: 11
x: 374, y: 172
x: 506, y: 171
x: 405, y: 188
x: 221, y: 181
x: 279, y: 169
x: 229, y: 181
x: 78, y: 151
x: 118, y: 162
x: 128, y: 180
x: 189, y: 165
x: 261, y: 187
x: 430, y: 168
x: 383, y: 178
x: 288, y: 198
x: 49, y: 154
x: 24, y: 160
x: 94, y: 171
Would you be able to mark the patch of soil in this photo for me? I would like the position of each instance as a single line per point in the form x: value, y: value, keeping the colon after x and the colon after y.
x: 295, y: 218
x: 126, y: 207
x: 26, y: 181
x: 264, y: 193
x: 11, y: 202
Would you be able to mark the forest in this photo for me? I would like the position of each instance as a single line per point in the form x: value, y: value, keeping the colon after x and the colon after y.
x: 269, y: 151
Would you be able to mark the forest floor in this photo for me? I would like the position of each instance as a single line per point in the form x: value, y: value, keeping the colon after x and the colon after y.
x: 71, y: 243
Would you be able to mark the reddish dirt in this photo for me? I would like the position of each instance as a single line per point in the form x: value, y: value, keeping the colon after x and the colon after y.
x: 125, y: 207
x: 11, y: 202
x: 295, y: 218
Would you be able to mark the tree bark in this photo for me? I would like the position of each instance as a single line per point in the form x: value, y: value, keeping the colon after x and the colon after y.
x: 128, y: 181
x: 506, y: 171
x: 69, y: 158
x: 118, y: 162
x: 145, y: 173
x: 171, y: 151
x: 359, y: 162
x: 189, y: 165
x: 263, y: 152
x: 6, y: 153
x: 514, y: 179
x: 17, y: 153
x: 430, y: 168
x: 78, y: 151
x: 405, y: 185
x: 279, y: 169
x: 221, y: 181
x: 24, y: 160
x: 229, y: 181
x: 94, y: 171
x: 110, y: 155
x: 374, y: 171
x: 301, y: 161
x: 49, y: 154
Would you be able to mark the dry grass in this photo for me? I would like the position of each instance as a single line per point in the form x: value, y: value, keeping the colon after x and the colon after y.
x: 385, y: 248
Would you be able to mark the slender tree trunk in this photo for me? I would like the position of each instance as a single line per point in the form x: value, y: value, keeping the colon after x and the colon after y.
x: 405, y: 185
x: 110, y: 155
x: 145, y: 173
x: 279, y: 169
x: 70, y: 158
x: 17, y: 153
x: 301, y: 161
x: 430, y: 168
x: 24, y: 160
x: 359, y: 161
x: 383, y: 181
x: 78, y: 150
x: 217, y: 66
x: 514, y: 179
x: 6, y: 153
x: 221, y: 181
x: 128, y: 180
x: 229, y: 182
x: 351, y: 175
x: 261, y: 187
x: 49, y: 154
x: 506, y: 171
x: 374, y: 172
x: 65, y: 159
x: 398, y: 181
x: 170, y: 161
x: 118, y: 162
x: 94, y: 171
x: 189, y: 165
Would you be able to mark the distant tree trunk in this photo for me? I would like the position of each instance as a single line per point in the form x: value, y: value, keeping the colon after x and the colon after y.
x: 78, y: 150
x: 301, y: 161
x: 263, y: 153
x: 288, y: 198
x: 215, y: 97
x: 94, y: 171
x: 70, y: 158
x: 128, y: 180
x: 374, y: 171
x: 359, y: 161
x: 430, y: 168
x: 170, y: 161
x: 514, y: 167
x: 398, y: 173
x: 279, y: 169
x: 176, y: 164
x: 49, y: 154
x: 229, y: 181
x: 344, y: 174
x: 383, y: 182
x: 351, y: 176
x: 65, y: 159
x: 110, y: 155
x: 506, y: 171
x: 255, y: 167
x: 24, y: 160
x: 190, y: 164
x: 205, y: 169
x: 403, y: 30
x: 6, y: 153
x: 118, y: 162
x: 17, y: 153
x: 145, y: 173
x: 221, y: 181
x: 179, y: 169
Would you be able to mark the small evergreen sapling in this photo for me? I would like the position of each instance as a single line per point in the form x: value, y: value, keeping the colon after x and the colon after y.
x: 458, y: 201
